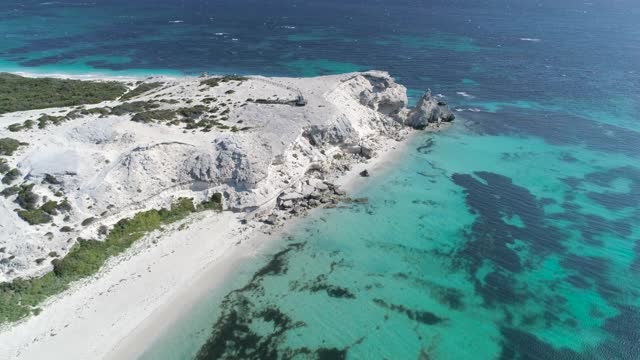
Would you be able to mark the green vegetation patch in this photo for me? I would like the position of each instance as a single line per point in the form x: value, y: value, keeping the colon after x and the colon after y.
x: 10, y: 191
x: 11, y: 176
x: 154, y: 115
x: 45, y: 120
x: 103, y: 111
x: 28, y: 201
x: 141, y: 89
x: 26, y: 125
x: 88, y: 221
x: 4, y: 167
x: 19, y: 93
x: 133, y: 107
x: 193, y: 112
x: 34, y: 217
x: 214, y: 203
x: 50, y: 207
x: 20, y: 297
x: 26, y: 198
x: 8, y: 146
x: 213, y: 82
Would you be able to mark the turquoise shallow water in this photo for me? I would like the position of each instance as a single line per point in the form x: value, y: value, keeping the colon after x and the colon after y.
x: 512, y: 235
x: 464, y: 251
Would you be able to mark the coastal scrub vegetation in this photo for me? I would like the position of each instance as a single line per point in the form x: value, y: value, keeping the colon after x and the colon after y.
x: 19, y: 93
x: 8, y: 146
x: 213, y: 82
x: 21, y: 297
x: 35, y: 216
x: 4, y: 167
x: 141, y: 89
x: 28, y: 202
x: 11, y: 176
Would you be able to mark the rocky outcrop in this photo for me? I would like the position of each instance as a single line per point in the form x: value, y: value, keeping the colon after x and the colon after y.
x: 383, y: 94
x: 429, y: 110
x: 308, y: 194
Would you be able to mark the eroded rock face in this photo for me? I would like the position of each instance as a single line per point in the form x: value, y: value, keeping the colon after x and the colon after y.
x: 383, y: 94
x: 429, y: 110
x: 368, y: 102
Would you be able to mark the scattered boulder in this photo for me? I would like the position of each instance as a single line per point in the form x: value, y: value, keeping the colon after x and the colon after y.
x: 318, y: 184
x: 271, y: 219
x: 365, y: 173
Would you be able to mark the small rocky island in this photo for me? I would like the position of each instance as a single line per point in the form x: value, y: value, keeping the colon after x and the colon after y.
x: 86, y: 174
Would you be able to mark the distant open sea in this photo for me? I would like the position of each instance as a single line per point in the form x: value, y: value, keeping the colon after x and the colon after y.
x: 513, y: 235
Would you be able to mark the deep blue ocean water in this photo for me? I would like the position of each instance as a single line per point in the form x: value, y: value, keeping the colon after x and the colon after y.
x: 513, y: 235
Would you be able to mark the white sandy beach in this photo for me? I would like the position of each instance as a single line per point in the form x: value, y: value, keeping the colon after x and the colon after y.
x: 119, y: 312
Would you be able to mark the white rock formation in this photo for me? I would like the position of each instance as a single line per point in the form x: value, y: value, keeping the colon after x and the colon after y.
x: 110, y: 167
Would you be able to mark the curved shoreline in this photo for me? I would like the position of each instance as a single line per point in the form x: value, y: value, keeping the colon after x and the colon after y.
x: 136, y: 297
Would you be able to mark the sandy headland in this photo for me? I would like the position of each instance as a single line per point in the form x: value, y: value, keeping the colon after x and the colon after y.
x: 242, y: 156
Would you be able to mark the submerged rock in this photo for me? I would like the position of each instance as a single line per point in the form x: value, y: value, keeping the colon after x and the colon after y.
x: 429, y: 110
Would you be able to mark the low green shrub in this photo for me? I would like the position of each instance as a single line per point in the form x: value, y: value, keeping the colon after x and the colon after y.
x: 141, y: 89
x: 45, y: 120
x: 103, y: 111
x: 154, y: 115
x: 11, y: 176
x: 214, y: 203
x: 26, y: 125
x: 88, y: 221
x: 213, y: 82
x: 10, y: 191
x: 8, y: 146
x: 35, y: 216
x: 133, y: 107
x: 64, y: 206
x: 4, y: 167
x: 193, y: 112
x: 50, y: 207
x: 15, y: 127
x: 27, y: 199
x: 50, y: 179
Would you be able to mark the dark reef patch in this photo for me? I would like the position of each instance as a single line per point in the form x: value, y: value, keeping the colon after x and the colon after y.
x: 494, y: 197
x: 423, y: 317
x: 426, y: 148
x: 624, y: 328
x: 635, y: 265
x: 233, y: 336
x: 320, y: 284
x: 552, y: 127
x: 450, y: 297
x: 616, y: 200
x: 278, y: 263
x: 517, y: 344
x: 594, y: 268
